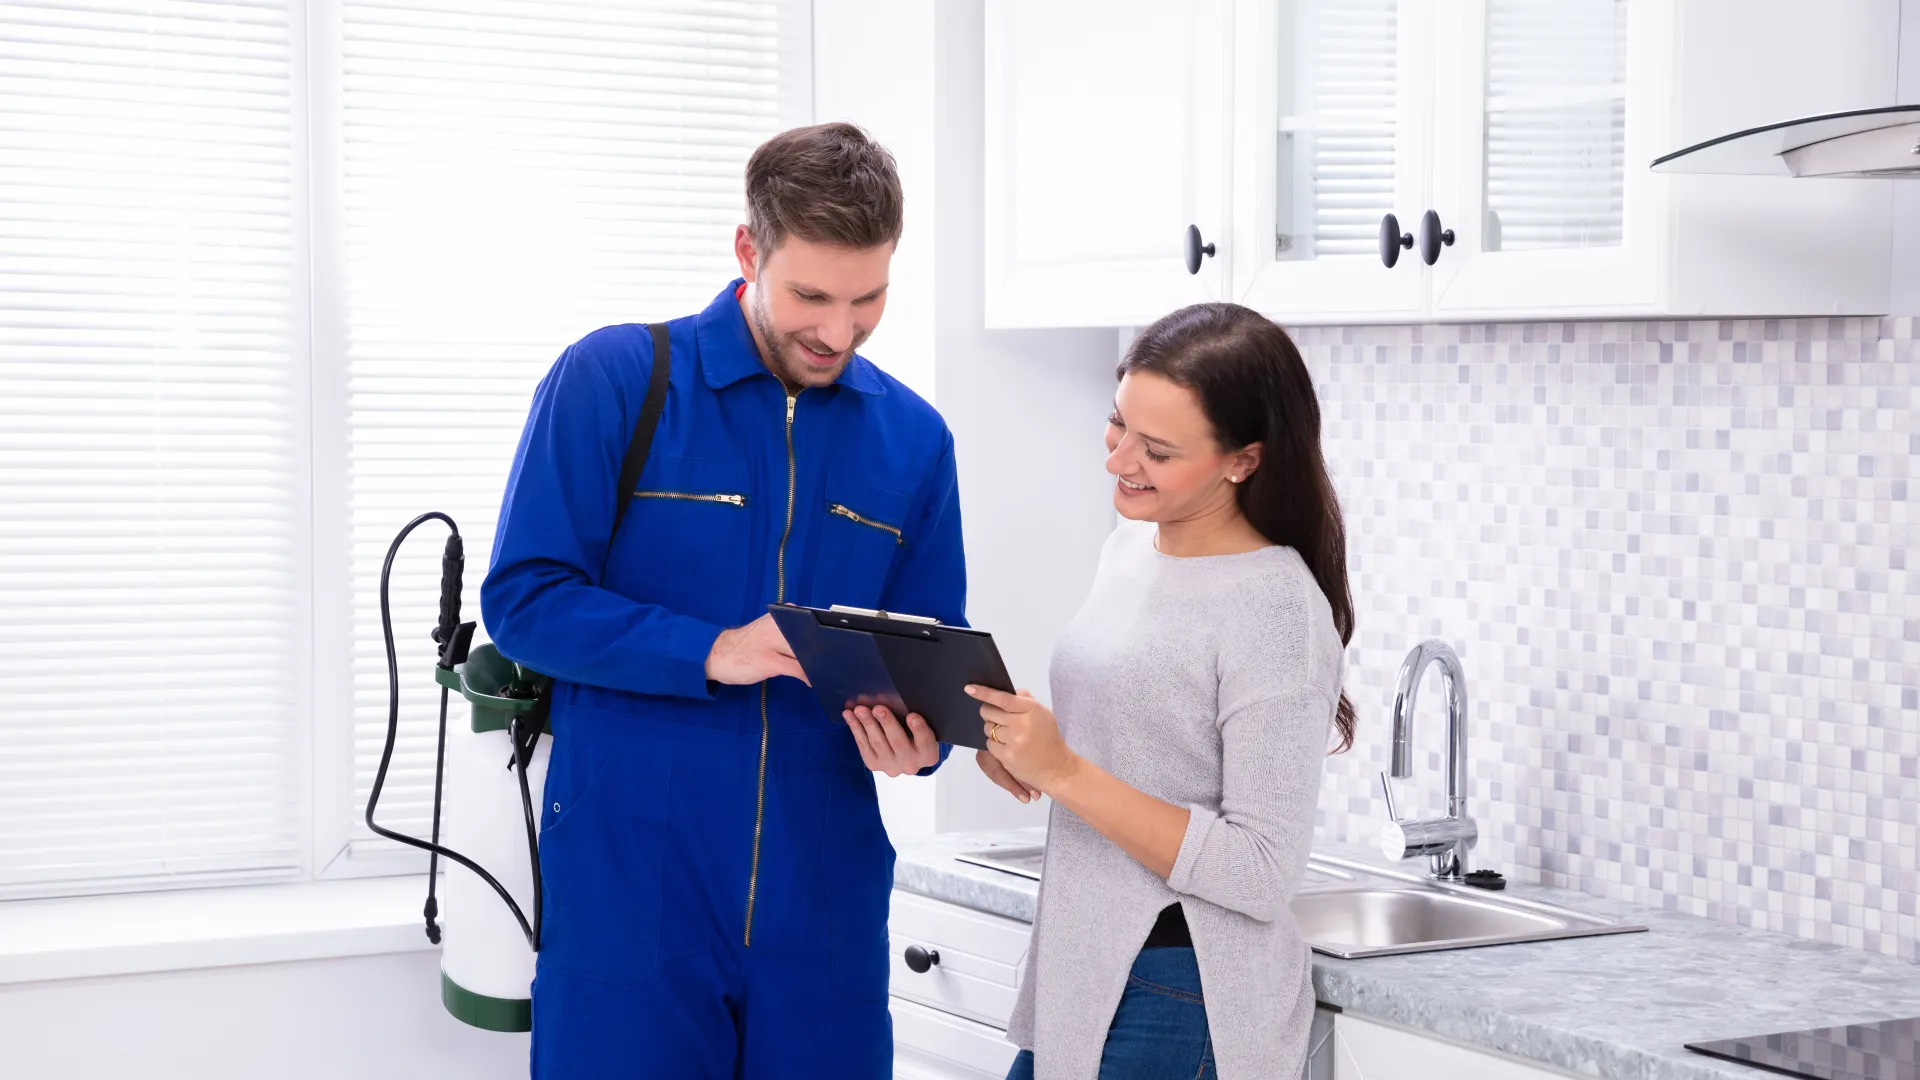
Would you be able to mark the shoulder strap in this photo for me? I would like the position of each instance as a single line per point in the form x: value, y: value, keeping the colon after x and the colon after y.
x: 642, y: 440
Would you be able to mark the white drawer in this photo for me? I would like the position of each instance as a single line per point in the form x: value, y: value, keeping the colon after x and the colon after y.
x: 980, y: 958
x: 932, y: 1045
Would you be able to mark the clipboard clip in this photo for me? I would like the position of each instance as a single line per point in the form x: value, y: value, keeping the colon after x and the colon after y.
x: 870, y: 613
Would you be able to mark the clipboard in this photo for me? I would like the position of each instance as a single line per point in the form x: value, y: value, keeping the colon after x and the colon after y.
x: 908, y: 663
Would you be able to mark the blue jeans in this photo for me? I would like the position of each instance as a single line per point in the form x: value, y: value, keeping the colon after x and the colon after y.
x: 1159, y: 1031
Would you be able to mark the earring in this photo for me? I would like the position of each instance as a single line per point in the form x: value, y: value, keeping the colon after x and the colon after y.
x: 1235, y: 479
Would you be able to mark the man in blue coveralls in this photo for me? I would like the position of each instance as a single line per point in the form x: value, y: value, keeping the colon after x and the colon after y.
x: 715, y: 868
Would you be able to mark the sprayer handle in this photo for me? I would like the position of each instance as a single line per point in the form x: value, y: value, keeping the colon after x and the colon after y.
x: 453, y: 562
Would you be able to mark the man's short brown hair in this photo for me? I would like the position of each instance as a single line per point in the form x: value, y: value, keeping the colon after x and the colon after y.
x: 827, y: 184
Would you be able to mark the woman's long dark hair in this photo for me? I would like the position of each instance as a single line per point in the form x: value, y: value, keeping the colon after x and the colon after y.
x: 1254, y: 387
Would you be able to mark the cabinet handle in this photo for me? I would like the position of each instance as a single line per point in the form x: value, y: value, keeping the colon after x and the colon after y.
x: 1432, y: 236
x: 1195, y: 250
x: 920, y: 960
x: 1392, y: 240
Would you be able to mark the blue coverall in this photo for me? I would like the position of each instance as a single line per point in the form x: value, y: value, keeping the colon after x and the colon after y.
x: 716, y: 871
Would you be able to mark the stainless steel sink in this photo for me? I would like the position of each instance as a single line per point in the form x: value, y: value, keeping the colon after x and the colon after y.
x: 1384, y: 918
x: 1352, y: 910
x: 1023, y: 860
x: 1357, y: 910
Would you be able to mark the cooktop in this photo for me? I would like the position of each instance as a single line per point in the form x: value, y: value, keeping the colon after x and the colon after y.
x: 1889, y: 1050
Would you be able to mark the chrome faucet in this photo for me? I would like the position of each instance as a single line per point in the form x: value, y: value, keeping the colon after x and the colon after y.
x: 1445, y: 841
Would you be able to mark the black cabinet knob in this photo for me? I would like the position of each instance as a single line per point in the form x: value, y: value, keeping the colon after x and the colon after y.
x: 1195, y: 250
x: 1392, y: 240
x: 1432, y: 236
x: 920, y: 960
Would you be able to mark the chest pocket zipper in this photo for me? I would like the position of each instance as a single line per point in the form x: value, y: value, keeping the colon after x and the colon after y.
x: 687, y: 496
x: 842, y: 510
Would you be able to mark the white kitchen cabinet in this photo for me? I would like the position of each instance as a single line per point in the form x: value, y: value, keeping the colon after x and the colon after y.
x: 1331, y: 134
x: 975, y: 958
x: 1368, y: 1050
x: 932, y: 1045
x: 950, y: 1020
x: 1546, y: 117
x: 1106, y: 139
x: 1525, y: 128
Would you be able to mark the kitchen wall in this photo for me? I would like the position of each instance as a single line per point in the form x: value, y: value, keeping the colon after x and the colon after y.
x: 1674, y: 558
x: 1027, y: 408
x: 364, y: 1017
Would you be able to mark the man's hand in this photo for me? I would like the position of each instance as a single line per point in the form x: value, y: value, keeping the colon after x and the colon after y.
x: 752, y: 653
x: 886, y: 747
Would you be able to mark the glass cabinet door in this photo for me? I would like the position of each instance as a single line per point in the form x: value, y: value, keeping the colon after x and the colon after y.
x: 1554, y: 132
x: 1545, y: 113
x: 1330, y: 135
x: 1335, y: 164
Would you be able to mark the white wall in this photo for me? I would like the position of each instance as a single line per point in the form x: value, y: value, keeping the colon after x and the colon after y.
x: 1027, y: 410
x: 1025, y: 407
x: 873, y: 66
x: 368, y: 1018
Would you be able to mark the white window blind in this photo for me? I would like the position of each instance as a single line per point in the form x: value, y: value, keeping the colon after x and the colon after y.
x: 1556, y: 124
x: 152, y: 581
x: 514, y: 175
x: 1336, y: 135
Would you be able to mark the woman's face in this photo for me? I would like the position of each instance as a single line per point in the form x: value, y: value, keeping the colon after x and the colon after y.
x: 1161, y: 450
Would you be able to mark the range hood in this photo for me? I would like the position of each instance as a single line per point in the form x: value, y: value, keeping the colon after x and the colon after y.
x: 1882, y: 142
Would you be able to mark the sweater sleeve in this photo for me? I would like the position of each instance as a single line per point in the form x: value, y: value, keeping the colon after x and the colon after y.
x: 1249, y: 854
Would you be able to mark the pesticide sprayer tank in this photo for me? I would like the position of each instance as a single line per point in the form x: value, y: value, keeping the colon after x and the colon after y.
x: 486, y: 965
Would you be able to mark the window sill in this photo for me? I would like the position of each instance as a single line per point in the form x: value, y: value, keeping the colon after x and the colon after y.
x: 94, y: 936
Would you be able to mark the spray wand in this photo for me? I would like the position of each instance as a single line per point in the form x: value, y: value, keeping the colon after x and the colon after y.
x: 455, y: 639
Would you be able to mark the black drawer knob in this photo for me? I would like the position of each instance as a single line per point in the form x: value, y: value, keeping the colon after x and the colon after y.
x: 1392, y: 240
x: 1432, y: 237
x: 921, y: 960
x: 1195, y: 249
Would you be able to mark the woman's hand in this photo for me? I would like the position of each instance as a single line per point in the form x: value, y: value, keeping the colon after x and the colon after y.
x: 998, y: 773
x: 887, y: 748
x: 1023, y: 736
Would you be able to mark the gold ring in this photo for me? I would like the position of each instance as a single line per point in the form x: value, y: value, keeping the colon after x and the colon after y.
x: 994, y: 734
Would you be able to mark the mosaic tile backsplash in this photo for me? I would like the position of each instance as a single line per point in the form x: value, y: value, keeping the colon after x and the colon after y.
x: 1674, y: 560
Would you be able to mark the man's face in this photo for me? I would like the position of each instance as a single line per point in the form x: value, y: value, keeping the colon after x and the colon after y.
x: 811, y: 305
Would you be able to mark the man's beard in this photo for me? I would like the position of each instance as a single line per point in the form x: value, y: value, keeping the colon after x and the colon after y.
x: 789, y: 361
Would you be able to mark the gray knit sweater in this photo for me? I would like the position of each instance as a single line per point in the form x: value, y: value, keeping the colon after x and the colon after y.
x: 1211, y: 683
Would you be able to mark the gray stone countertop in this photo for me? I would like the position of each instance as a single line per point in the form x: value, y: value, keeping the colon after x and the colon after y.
x: 1620, y: 1007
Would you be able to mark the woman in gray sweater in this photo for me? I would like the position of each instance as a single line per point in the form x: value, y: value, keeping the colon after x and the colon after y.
x: 1195, y: 695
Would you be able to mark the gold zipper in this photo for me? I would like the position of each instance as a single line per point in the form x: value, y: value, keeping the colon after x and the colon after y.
x: 851, y: 515
x: 760, y: 801
x: 730, y: 500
